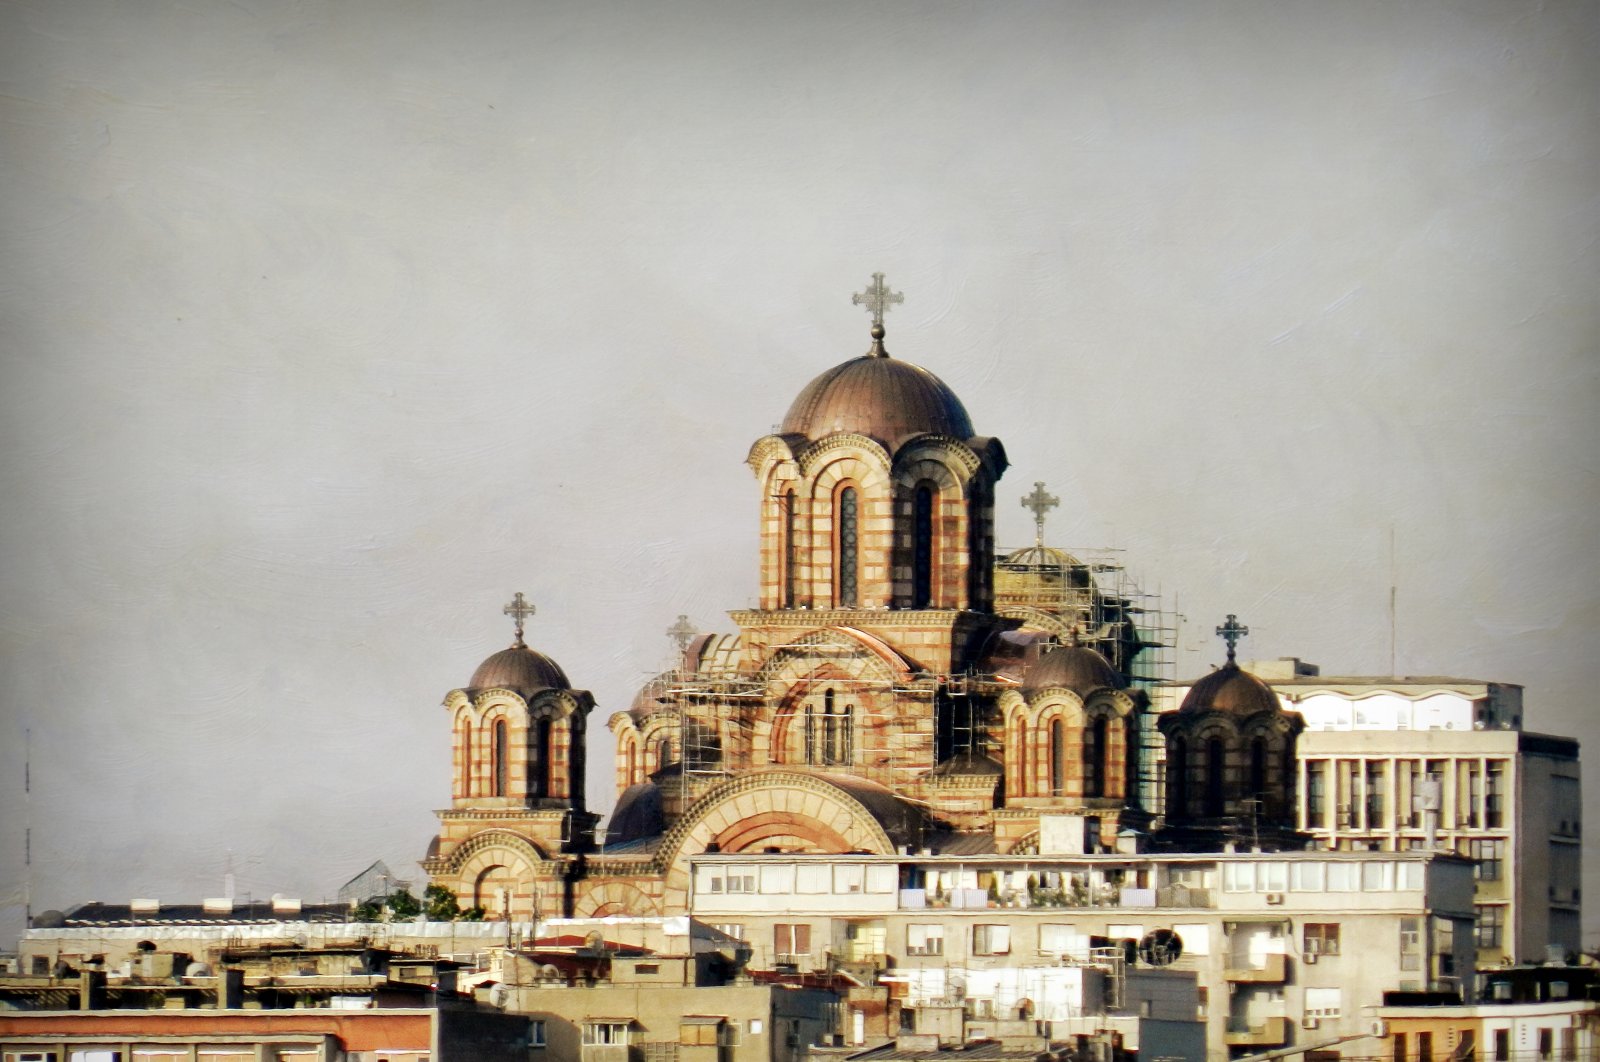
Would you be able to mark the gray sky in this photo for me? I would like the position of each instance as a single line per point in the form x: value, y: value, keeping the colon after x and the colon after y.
x: 328, y: 326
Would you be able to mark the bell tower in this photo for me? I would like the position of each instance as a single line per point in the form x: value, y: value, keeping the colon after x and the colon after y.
x: 517, y: 781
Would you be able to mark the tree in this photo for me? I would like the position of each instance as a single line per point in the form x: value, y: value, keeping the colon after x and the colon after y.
x: 440, y: 903
x: 403, y: 906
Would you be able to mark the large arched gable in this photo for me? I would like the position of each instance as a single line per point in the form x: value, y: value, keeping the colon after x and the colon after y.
x: 787, y: 809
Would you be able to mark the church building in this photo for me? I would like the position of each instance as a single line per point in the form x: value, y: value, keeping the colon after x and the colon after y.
x: 899, y: 688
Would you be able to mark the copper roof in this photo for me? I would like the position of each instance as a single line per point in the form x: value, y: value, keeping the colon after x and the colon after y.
x: 521, y: 670
x: 1231, y: 689
x: 1073, y: 667
x: 880, y: 397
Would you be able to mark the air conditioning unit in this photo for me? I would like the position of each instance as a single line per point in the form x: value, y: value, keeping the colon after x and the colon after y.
x: 1379, y: 1027
x: 1308, y: 1022
x: 1274, y: 898
x: 1309, y: 958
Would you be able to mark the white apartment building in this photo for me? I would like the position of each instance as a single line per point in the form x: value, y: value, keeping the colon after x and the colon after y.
x: 1401, y: 763
x: 1287, y: 948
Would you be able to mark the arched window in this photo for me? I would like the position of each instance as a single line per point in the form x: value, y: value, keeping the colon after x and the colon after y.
x: 502, y: 758
x: 846, y: 548
x: 663, y: 753
x: 789, y: 550
x: 1258, y: 768
x: 811, y: 734
x: 1094, y: 759
x: 922, y: 546
x: 1216, y: 768
x: 541, y: 759
x: 847, y: 734
x: 1178, y: 780
x: 1058, y: 757
x: 466, y: 758
x: 1019, y: 755
x: 632, y: 761
x: 830, y: 737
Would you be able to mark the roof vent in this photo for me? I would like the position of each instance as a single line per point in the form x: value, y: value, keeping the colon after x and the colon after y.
x: 285, y: 905
x: 218, y: 905
x: 144, y: 906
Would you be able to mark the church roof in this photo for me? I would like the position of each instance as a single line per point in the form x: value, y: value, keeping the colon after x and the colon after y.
x: 968, y: 763
x: 1073, y: 667
x: 637, y: 815
x: 879, y: 397
x: 521, y: 670
x: 1231, y: 689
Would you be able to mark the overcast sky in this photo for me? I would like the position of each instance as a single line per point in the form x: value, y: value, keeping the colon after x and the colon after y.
x: 328, y: 326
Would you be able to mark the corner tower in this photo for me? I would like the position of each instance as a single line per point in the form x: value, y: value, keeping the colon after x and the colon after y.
x: 518, y: 741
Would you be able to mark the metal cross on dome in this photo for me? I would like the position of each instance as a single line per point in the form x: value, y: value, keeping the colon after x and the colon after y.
x: 877, y: 298
x: 682, y: 632
x: 1039, y: 503
x: 1230, y: 632
x: 519, y: 610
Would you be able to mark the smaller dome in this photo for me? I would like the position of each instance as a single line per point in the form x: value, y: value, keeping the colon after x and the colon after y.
x: 1073, y: 667
x: 1233, y: 690
x: 637, y: 814
x: 520, y: 670
x: 1042, y: 557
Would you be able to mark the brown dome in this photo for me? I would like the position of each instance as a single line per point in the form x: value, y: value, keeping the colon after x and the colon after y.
x: 520, y: 670
x: 1073, y: 667
x: 1233, y: 690
x: 880, y: 397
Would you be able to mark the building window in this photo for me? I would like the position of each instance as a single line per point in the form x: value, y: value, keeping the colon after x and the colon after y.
x: 1376, y: 782
x: 1490, y: 856
x: 1502, y: 1045
x: 543, y: 769
x: 1399, y: 1054
x: 1321, y: 938
x: 1094, y: 758
x: 922, y: 547
x: 1424, y: 1047
x: 694, y: 1031
x: 731, y: 930
x: 1058, y: 757
x: 835, y: 745
x: 1546, y: 1042
x: 991, y: 940
x: 1216, y: 769
x: 502, y: 758
x: 1317, y: 795
x: 846, y: 547
x: 1258, y: 768
x: 1494, y: 797
x: 466, y: 757
x: 605, y: 1033
x: 1178, y: 780
x: 1324, y: 1003
x: 1491, y: 925
x: 536, y: 1033
x: 1410, y: 944
x: 790, y: 942
x: 1061, y: 940
x: 790, y: 552
x: 924, y: 940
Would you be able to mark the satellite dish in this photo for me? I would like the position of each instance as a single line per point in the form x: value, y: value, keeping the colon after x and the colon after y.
x: 595, y: 941
x: 1160, y: 947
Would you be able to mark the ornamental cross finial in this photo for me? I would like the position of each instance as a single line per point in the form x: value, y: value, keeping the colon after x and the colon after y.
x: 519, y: 610
x: 1039, y: 503
x: 877, y: 298
x: 1231, y: 632
x: 682, y: 632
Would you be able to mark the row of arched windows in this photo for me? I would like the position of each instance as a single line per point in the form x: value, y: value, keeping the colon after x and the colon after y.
x: 830, y: 734
x: 846, y: 547
x: 1093, y: 756
x: 1198, y: 778
x: 492, y: 778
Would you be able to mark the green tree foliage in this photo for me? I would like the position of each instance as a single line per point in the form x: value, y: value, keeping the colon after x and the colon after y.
x: 403, y: 906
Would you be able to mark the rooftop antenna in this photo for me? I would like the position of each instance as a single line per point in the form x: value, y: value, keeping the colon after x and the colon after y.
x: 1394, y: 591
x: 27, y: 827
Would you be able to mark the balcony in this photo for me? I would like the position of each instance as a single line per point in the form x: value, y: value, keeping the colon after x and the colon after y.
x: 1269, y: 1033
x: 1271, y: 971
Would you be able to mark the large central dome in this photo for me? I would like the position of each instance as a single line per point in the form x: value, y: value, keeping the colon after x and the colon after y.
x: 880, y: 397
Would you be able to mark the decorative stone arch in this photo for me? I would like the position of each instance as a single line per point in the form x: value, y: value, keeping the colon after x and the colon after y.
x: 492, y: 859
x: 758, y: 810
x: 614, y: 898
x: 864, y: 667
x: 947, y: 450
x: 863, y: 449
x: 768, y: 451
x: 785, y: 736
